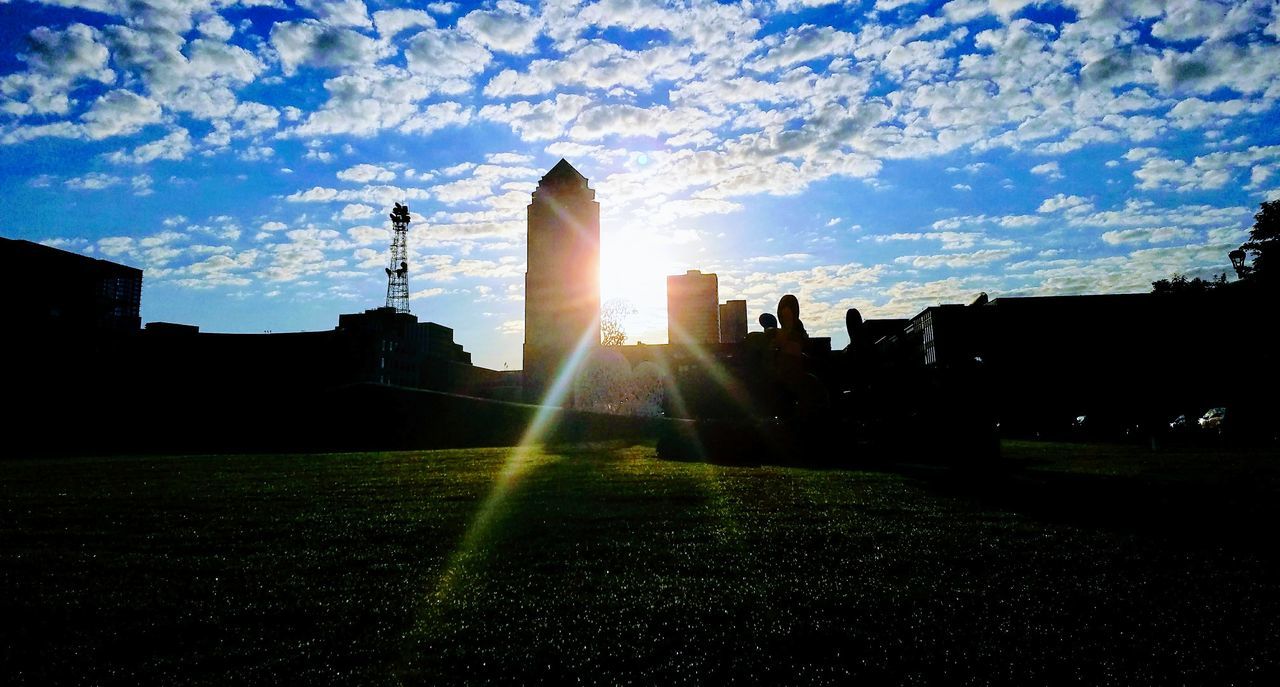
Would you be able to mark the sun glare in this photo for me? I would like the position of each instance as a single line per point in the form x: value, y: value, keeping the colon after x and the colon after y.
x: 634, y: 265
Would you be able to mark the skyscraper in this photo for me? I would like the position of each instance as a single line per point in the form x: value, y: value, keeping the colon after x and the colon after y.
x: 733, y: 321
x: 693, y: 313
x: 562, y: 281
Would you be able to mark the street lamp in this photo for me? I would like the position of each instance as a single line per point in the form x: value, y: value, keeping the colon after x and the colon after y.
x: 1237, y: 261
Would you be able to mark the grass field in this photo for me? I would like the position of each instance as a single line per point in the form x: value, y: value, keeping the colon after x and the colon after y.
x: 604, y: 565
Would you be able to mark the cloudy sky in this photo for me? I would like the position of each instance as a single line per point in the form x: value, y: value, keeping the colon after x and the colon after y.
x: 883, y: 154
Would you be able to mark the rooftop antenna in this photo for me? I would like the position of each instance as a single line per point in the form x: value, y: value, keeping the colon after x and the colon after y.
x: 398, y: 270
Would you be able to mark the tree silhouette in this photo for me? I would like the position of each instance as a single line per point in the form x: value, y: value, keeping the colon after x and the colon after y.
x: 612, y: 313
x: 1179, y: 283
x: 1264, y: 239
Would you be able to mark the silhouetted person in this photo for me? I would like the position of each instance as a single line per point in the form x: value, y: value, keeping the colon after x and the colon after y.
x: 790, y: 363
x: 792, y: 335
x: 853, y: 325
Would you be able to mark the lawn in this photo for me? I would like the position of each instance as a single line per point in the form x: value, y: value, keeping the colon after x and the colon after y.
x: 604, y: 565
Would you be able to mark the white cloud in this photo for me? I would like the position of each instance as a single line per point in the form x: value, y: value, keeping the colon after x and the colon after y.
x: 1245, y: 69
x: 115, y: 113
x: 803, y: 44
x: 93, y: 181
x: 311, y: 42
x: 356, y: 211
x: 510, y: 28
x: 119, y: 112
x: 379, y: 195
x: 1194, y: 113
x: 887, y: 5
x: 628, y: 120
x: 1139, y: 213
x: 443, y: 54
x: 175, y: 145
x: 392, y: 22
x: 1159, y: 172
x: 1197, y: 19
x: 595, y: 65
x: 339, y: 12
x: 363, y: 104
x: 57, y: 61
x: 365, y: 235
x: 365, y: 173
x: 537, y: 121
x: 1066, y: 203
x: 1210, y: 171
x: 141, y: 184
x: 113, y: 246
x: 964, y: 11
x: 957, y: 260
x: 1049, y: 169
x: 950, y: 240
x: 436, y: 116
x: 216, y: 28
x: 426, y: 293
x: 1148, y: 235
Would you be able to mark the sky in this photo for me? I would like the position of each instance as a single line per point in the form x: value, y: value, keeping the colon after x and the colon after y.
x: 880, y: 154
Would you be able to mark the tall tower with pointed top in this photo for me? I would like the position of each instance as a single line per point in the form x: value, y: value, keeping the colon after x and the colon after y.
x: 562, y: 281
x: 398, y: 268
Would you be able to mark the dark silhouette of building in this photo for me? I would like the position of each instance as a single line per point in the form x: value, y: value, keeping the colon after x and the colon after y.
x: 1126, y: 359
x: 394, y: 348
x: 693, y: 312
x: 378, y: 346
x: 733, y: 321
x: 562, y: 281
x: 54, y: 290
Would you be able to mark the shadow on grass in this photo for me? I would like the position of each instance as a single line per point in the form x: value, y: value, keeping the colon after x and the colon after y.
x: 1205, y: 496
x: 1171, y: 502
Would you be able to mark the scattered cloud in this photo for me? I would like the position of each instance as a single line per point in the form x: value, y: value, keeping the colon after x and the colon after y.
x: 721, y: 121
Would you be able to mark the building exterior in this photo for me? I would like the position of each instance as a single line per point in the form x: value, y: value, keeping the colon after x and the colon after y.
x: 733, y: 321
x: 394, y: 348
x: 961, y: 325
x: 51, y: 290
x: 378, y: 346
x: 562, y: 281
x: 1127, y: 358
x: 693, y: 312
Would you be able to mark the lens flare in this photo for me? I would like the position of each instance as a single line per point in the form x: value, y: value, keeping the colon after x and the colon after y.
x: 526, y: 456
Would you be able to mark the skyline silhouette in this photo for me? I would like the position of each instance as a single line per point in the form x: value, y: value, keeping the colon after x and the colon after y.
x: 1121, y: 364
x: 884, y: 156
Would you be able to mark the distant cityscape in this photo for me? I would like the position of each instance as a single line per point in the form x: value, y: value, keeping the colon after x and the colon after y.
x: 1046, y: 358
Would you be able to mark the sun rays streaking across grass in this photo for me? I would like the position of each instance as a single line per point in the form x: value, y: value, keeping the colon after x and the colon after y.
x: 620, y: 568
x: 526, y: 456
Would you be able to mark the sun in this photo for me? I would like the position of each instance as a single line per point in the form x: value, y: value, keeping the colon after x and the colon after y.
x: 634, y: 265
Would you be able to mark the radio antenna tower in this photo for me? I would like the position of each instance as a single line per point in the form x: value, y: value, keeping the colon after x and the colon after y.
x: 398, y: 270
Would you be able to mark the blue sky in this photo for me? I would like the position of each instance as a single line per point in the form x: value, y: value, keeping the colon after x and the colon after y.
x: 880, y: 154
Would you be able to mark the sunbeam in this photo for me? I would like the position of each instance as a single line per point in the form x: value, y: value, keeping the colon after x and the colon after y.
x: 526, y: 455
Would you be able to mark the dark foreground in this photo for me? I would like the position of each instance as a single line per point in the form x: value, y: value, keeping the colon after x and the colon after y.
x: 1090, y: 565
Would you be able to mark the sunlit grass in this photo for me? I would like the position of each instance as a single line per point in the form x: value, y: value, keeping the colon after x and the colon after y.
x: 602, y: 563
